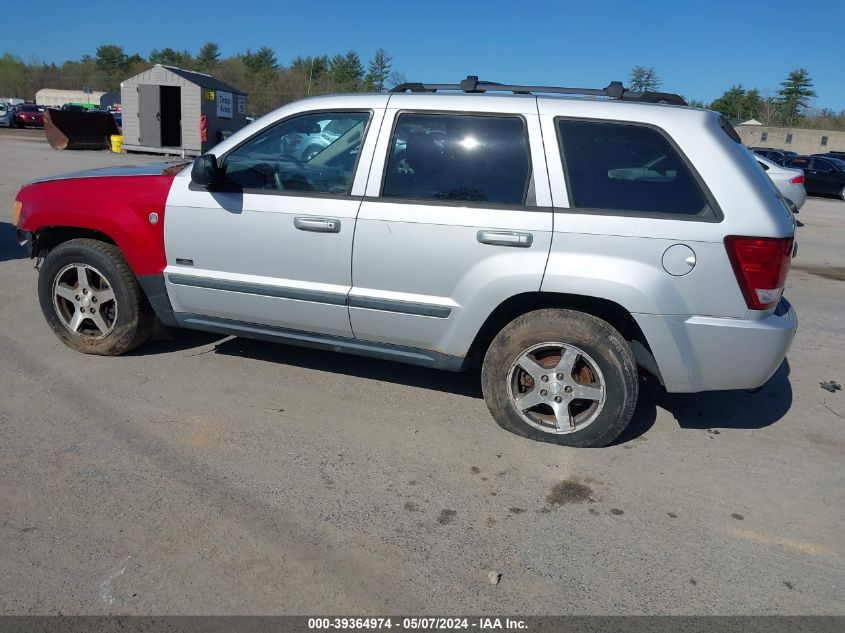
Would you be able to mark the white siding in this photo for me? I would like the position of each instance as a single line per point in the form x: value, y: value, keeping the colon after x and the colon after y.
x: 129, y: 106
x: 57, y: 98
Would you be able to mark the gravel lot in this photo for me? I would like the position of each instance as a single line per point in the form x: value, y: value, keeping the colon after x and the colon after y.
x: 220, y: 475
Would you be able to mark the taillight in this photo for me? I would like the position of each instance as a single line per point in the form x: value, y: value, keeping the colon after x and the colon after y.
x: 798, y: 180
x: 760, y: 265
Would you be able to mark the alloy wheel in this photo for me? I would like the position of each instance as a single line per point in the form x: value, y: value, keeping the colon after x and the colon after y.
x: 556, y: 387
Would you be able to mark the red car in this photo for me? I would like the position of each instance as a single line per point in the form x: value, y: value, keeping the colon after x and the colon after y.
x: 28, y: 115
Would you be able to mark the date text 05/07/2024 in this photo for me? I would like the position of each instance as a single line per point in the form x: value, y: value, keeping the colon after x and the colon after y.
x: 416, y: 623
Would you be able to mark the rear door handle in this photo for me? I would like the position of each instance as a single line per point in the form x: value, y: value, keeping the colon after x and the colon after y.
x: 505, y: 238
x: 317, y: 225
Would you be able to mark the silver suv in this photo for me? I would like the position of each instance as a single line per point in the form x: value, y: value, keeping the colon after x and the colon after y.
x: 566, y: 245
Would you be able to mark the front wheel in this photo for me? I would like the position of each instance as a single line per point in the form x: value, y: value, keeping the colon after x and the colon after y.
x: 561, y: 376
x: 92, y: 300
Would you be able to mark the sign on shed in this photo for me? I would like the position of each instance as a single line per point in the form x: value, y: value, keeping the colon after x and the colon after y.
x: 224, y: 104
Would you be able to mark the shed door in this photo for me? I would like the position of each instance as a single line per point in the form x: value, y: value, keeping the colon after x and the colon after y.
x: 149, y: 116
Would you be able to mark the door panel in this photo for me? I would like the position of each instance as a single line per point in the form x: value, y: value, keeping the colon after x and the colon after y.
x: 149, y: 122
x: 275, y: 256
x: 251, y: 263
x: 422, y: 275
x: 429, y: 281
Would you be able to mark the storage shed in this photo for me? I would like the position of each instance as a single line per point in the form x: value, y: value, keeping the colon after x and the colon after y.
x: 163, y: 109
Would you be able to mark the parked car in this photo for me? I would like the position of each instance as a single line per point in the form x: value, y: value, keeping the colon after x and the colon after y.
x: 303, y: 144
x: 822, y: 176
x: 790, y: 182
x: 28, y: 115
x: 836, y: 155
x: 774, y: 155
x: 565, y: 246
x: 5, y: 115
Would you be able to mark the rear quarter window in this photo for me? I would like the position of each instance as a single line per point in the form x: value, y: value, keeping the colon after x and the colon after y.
x: 627, y: 168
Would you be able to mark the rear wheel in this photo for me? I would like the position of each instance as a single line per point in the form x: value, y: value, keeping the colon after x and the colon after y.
x: 92, y: 300
x: 561, y: 376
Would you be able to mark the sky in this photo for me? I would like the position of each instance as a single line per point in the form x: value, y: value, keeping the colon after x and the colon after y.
x: 699, y: 49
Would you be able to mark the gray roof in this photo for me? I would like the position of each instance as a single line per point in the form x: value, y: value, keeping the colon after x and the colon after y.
x: 203, y: 80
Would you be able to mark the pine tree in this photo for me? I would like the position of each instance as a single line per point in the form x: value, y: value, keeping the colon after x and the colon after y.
x: 261, y: 61
x: 644, y: 79
x: 795, y: 94
x: 346, y: 70
x: 208, y: 56
x: 170, y: 57
x: 379, y: 69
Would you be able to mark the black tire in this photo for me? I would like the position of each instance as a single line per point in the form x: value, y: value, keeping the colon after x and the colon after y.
x: 133, y: 318
x: 596, y: 344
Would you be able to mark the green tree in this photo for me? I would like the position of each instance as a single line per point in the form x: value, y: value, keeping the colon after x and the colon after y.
x: 313, y: 67
x: 346, y: 70
x: 644, y: 79
x: 739, y: 103
x: 208, y: 56
x: 13, y: 72
x: 378, y: 71
x: 113, y: 62
x: 753, y: 104
x: 795, y: 94
x: 261, y: 62
x: 111, y: 59
x: 170, y: 57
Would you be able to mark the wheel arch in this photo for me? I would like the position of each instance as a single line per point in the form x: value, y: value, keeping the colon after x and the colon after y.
x: 47, y: 238
x: 610, y: 311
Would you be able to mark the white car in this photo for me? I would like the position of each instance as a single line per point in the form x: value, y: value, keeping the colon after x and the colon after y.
x: 5, y: 115
x: 790, y: 182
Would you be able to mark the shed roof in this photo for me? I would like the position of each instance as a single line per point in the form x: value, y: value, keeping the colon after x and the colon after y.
x: 203, y: 80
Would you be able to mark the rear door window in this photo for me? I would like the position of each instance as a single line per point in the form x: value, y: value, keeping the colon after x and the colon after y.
x: 627, y: 168
x: 458, y: 157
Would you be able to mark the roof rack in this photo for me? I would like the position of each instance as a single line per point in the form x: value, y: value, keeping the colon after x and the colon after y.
x: 614, y: 90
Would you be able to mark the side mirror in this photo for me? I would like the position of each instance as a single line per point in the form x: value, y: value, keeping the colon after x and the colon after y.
x: 206, y: 172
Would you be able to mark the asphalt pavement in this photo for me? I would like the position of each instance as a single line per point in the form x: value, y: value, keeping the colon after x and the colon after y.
x: 208, y: 474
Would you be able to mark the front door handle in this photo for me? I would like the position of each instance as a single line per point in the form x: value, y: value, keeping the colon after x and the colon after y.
x: 317, y: 225
x: 506, y: 238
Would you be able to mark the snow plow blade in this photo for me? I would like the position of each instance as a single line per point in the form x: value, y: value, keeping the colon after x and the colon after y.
x: 73, y: 129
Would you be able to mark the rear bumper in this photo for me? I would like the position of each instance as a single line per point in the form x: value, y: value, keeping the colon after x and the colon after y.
x: 797, y: 194
x: 709, y: 354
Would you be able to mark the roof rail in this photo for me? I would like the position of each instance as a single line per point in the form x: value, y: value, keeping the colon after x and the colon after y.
x: 614, y: 90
